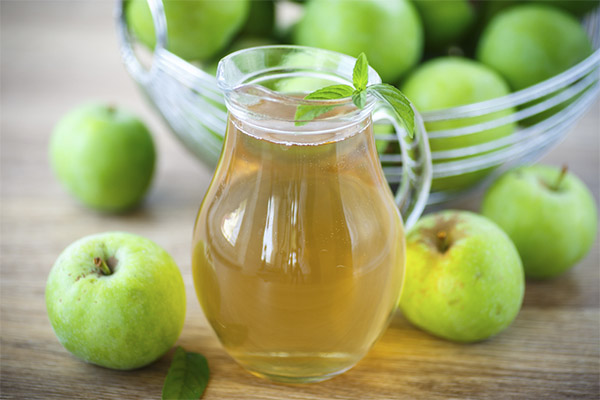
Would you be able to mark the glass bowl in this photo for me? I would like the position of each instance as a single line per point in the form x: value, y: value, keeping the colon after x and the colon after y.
x: 189, y: 100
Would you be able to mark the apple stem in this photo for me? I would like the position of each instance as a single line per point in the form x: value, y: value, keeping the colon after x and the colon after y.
x: 101, y: 264
x: 442, y: 241
x: 561, y: 176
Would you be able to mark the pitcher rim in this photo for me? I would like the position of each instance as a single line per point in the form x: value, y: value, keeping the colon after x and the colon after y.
x: 227, y: 87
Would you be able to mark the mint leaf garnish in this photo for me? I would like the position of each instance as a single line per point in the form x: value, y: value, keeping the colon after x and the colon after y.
x: 331, y: 93
x: 360, y: 75
x: 398, y: 101
x: 306, y: 113
x: 388, y: 94
x: 188, y: 376
x: 359, y: 98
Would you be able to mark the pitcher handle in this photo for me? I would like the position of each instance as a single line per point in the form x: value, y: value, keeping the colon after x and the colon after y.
x: 411, y: 195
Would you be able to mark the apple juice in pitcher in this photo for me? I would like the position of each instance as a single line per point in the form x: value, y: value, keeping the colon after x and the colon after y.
x: 298, y: 248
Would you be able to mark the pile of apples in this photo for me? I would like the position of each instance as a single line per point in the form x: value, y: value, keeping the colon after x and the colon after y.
x: 465, y: 273
x: 440, y: 53
x: 524, y: 41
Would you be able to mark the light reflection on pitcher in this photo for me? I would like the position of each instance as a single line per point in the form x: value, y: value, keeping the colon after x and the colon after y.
x: 298, y: 247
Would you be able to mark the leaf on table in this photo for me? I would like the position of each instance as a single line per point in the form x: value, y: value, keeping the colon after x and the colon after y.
x: 187, y: 377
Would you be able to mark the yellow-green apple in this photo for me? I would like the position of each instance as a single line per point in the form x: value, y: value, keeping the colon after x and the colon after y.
x: 464, y: 279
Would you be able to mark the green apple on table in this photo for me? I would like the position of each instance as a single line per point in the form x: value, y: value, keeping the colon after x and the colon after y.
x: 196, y: 30
x: 390, y: 33
x: 104, y: 156
x: 448, y: 82
x: 116, y: 300
x: 548, y: 213
x: 464, y: 279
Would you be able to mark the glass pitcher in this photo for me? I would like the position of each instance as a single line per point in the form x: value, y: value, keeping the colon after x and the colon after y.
x: 298, y: 248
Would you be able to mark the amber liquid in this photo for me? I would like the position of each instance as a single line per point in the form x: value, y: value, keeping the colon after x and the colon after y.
x: 298, y: 253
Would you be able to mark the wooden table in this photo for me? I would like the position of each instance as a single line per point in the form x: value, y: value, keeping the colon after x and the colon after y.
x: 56, y: 55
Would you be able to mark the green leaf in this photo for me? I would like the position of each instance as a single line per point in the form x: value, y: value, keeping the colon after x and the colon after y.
x: 360, y: 75
x: 188, y: 376
x: 398, y: 102
x: 305, y: 112
x: 331, y: 93
x: 359, y: 98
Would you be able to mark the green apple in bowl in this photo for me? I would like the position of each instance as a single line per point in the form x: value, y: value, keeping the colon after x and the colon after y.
x: 464, y: 279
x: 390, y: 33
x: 530, y: 43
x: 104, y: 156
x: 448, y: 82
x: 196, y: 29
x: 116, y: 300
x: 548, y: 213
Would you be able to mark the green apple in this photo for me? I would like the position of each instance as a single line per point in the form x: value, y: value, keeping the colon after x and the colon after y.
x: 445, y: 21
x: 464, y: 279
x: 116, y: 300
x: 196, y: 30
x: 549, y: 214
x: 388, y: 32
x: 448, y: 82
x: 532, y: 42
x: 104, y: 156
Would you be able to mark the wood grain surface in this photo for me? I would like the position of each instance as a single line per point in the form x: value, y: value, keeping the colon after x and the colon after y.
x: 57, y: 54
